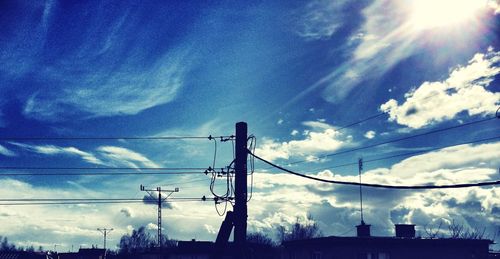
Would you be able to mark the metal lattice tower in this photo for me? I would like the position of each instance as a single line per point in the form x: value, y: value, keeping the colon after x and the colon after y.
x: 105, y: 232
x: 360, y: 169
x: 159, y: 204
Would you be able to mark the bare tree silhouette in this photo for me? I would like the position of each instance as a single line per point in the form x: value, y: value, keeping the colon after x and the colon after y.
x: 300, y: 230
x: 433, y: 232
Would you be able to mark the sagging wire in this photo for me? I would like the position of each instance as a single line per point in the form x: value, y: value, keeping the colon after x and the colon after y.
x: 227, y: 197
x: 230, y: 168
x: 217, y: 207
x: 251, y: 147
x: 219, y: 198
x: 215, y: 149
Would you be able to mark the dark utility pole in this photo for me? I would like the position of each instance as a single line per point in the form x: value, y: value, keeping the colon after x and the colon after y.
x: 160, y: 201
x: 240, y: 188
x: 105, y: 232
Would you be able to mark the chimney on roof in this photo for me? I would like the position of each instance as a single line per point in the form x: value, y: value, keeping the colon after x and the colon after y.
x: 405, y: 230
x: 363, y: 230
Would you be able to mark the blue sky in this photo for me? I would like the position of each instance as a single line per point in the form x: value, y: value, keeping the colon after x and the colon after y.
x: 295, y: 71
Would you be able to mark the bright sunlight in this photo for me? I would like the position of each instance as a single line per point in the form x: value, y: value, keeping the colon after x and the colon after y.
x: 430, y: 14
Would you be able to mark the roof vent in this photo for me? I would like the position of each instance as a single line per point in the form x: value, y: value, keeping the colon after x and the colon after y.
x: 363, y: 230
x: 405, y: 230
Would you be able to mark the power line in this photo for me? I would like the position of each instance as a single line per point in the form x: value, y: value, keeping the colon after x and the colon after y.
x: 91, y: 199
x: 374, y: 116
x: 100, y: 168
x: 55, y: 201
x: 110, y: 138
x: 407, y: 154
x: 99, y: 174
x: 420, y: 187
x: 361, y: 121
x: 68, y: 203
x: 73, y: 199
x: 399, y: 139
x: 85, y: 202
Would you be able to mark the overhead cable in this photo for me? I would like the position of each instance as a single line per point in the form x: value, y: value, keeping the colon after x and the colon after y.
x: 76, y: 201
x: 360, y: 121
x: 411, y: 187
x: 101, y: 174
x: 406, y: 154
x: 83, y: 202
x: 14, y: 138
x: 99, y: 168
x: 400, y: 139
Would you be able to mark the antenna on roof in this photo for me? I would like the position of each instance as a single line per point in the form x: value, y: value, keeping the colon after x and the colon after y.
x: 360, y: 169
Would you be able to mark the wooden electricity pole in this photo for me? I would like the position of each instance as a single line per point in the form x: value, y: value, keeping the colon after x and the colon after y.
x: 240, y: 188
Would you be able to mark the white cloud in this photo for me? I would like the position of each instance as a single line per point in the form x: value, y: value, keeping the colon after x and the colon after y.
x: 463, y: 90
x: 382, y: 41
x: 105, y: 155
x: 294, y: 132
x: 125, y: 156
x: 57, y: 150
x: 280, y: 121
x: 370, y: 134
x: 386, y: 37
x: 79, y: 88
x: 6, y: 152
x: 122, y: 94
x: 464, y: 163
x: 64, y: 225
x: 321, y: 138
x: 494, y: 5
x: 319, y: 19
x: 452, y: 158
x: 94, y: 78
x: 85, y: 155
x: 151, y: 226
x: 280, y: 194
x: 210, y: 229
x: 277, y: 200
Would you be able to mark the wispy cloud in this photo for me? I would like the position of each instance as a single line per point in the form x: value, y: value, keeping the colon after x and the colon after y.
x: 124, y: 156
x: 57, y: 150
x: 465, y: 89
x: 6, y: 152
x: 383, y: 40
x: 98, y: 74
x: 387, y: 36
x: 319, y: 19
x: 105, y: 93
x: 104, y: 155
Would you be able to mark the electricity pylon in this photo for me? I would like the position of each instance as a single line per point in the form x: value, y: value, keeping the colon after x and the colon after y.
x: 160, y: 201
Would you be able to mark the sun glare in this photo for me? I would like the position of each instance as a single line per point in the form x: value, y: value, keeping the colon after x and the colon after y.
x: 429, y: 14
